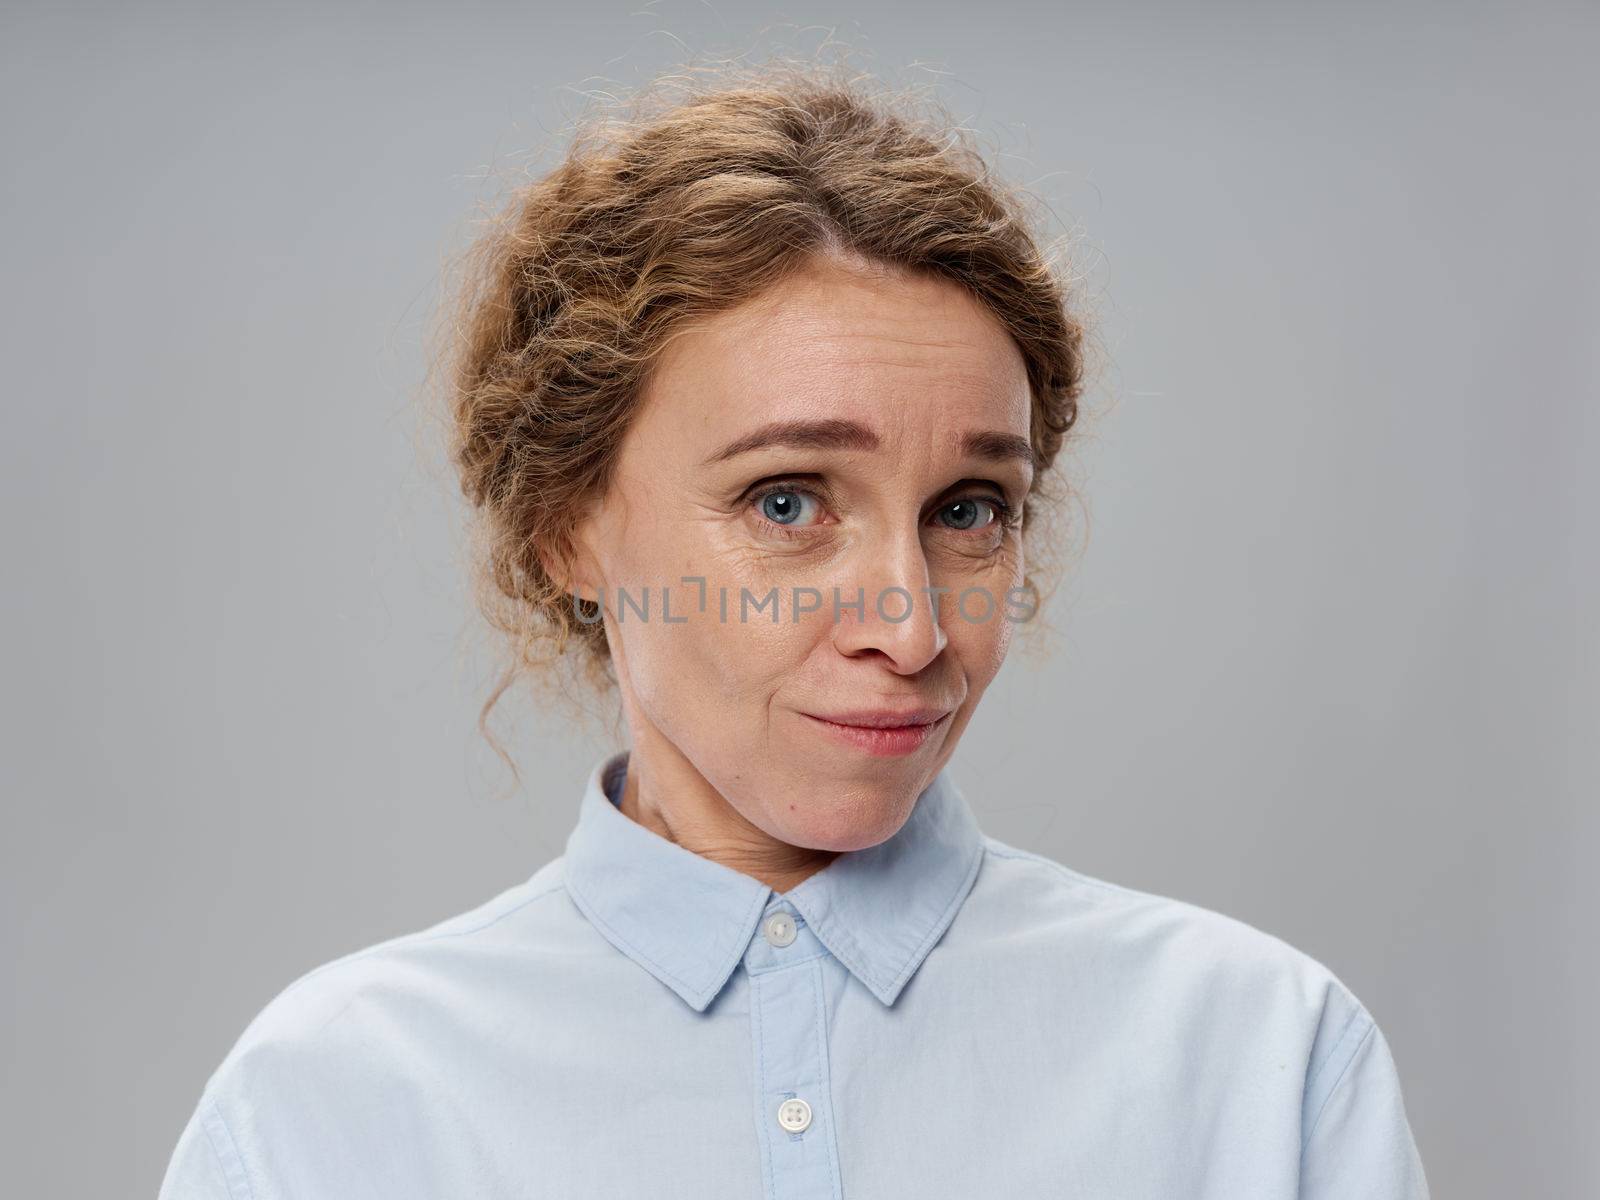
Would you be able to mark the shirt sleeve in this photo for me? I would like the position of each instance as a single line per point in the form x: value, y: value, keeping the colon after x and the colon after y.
x: 206, y: 1164
x: 1357, y: 1141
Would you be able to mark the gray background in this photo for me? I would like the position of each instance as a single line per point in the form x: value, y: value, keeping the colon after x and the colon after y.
x: 1327, y: 662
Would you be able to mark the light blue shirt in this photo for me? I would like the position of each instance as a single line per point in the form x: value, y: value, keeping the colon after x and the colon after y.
x: 941, y: 1015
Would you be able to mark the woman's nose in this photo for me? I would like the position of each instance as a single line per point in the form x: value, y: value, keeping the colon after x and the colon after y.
x: 886, y: 607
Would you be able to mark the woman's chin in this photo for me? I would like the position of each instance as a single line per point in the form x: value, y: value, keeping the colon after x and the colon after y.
x: 832, y: 812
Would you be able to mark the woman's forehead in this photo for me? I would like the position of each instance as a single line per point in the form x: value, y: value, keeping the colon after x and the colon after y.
x: 897, y: 351
x: 911, y: 319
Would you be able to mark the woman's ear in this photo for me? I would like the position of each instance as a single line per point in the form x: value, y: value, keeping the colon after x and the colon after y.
x: 567, y: 561
x: 555, y: 557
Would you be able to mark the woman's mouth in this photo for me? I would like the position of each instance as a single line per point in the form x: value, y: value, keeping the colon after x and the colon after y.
x: 879, y: 732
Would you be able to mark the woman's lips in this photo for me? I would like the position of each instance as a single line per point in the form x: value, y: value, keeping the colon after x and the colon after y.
x: 879, y: 733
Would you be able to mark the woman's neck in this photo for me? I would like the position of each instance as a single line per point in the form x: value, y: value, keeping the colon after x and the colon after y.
x: 666, y: 794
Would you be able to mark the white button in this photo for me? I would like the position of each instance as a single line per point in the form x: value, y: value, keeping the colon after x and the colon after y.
x: 780, y: 930
x: 794, y: 1115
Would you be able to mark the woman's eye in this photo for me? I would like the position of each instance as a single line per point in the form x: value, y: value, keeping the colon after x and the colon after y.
x: 790, y: 507
x: 975, y: 512
x: 795, y: 508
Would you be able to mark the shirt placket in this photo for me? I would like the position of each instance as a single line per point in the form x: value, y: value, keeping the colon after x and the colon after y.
x: 789, y: 1032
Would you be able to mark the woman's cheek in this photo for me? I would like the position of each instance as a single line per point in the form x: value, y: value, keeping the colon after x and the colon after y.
x: 980, y: 642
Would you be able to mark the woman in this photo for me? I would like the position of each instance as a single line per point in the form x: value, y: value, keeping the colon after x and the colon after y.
x: 756, y: 394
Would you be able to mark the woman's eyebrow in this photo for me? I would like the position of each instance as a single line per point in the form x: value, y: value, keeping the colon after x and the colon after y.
x: 998, y: 447
x: 832, y: 434
x: 842, y: 434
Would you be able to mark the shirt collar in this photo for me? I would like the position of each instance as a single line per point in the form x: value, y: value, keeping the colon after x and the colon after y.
x: 688, y: 919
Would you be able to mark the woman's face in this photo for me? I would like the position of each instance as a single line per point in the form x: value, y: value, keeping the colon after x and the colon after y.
x: 846, y: 435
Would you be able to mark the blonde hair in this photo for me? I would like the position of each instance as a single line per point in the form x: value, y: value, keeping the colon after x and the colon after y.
x: 704, y: 190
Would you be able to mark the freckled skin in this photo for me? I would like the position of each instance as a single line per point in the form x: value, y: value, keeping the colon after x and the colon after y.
x: 723, y: 761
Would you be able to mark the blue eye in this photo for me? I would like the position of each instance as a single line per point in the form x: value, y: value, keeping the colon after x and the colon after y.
x: 788, y: 507
x: 968, y: 513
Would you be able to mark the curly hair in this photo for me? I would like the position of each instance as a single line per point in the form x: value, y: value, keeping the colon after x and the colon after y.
x: 689, y: 201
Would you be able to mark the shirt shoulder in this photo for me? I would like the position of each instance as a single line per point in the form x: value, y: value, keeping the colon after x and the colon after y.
x: 414, y: 971
x: 1164, y: 928
x: 320, y: 1067
x: 1201, y: 966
